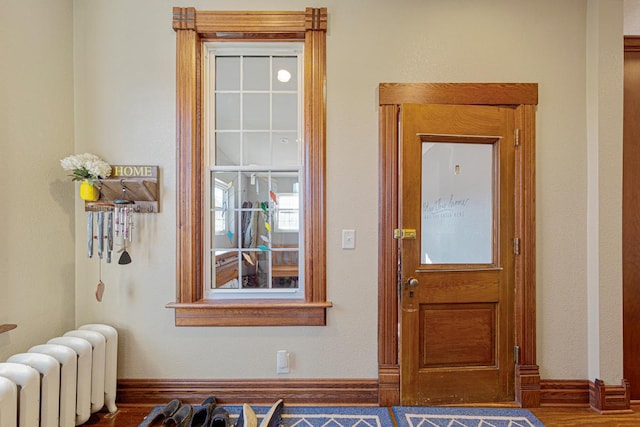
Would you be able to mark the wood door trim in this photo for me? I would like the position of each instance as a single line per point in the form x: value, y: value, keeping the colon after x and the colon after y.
x: 630, y: 223
x: 388, y: 340
x: 459, y: 93
x: 387, y: 269
x: 527, y: 370
x: 521, y: 96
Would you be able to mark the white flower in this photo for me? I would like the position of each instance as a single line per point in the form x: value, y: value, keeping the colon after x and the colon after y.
x: 98, y: 168
x: 86, y: 167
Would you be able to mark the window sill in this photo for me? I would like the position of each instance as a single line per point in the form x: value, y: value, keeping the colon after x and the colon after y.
x: 251, y: 313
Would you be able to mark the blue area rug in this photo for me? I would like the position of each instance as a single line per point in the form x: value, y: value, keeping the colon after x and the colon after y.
x: 422, y: 416
x: 313, y: 416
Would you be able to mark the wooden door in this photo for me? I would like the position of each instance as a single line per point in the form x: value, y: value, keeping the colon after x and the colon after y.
x: 456, y: 216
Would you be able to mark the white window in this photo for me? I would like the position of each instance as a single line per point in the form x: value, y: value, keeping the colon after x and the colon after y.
x: 254, y: 169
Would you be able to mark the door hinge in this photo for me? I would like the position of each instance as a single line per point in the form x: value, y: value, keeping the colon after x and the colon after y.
x: 516, y: 354
x: 516, y: 137
x: 516, y: 246
x: 404, y: 233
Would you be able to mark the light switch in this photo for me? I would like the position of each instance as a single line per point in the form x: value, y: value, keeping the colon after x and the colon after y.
x: 348, y: 239
x: 282, y: 362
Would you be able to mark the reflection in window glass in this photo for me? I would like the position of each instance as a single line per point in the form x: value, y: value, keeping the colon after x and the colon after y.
x: 288, y: 212
x: 220, y: 200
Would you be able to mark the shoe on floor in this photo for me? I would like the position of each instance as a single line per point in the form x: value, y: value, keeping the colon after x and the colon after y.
x: 209, y: 400
x: 247, y: 417
x: 181, y: 418
x: 202, y: 415
x: 220, y: 418
x: 274, y: 416
x: 169, y: 409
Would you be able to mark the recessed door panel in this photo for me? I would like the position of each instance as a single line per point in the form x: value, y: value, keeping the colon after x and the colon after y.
x: 472, y: 325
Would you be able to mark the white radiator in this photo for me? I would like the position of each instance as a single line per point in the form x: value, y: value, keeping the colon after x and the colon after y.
x: 97, y: 342
x: 82, y: 349
x: 49, y: 370
x: 27, y: 381
x: 61, y: 383
x: 110, y: 362
x: 8, y: 403
x: 68, y: 360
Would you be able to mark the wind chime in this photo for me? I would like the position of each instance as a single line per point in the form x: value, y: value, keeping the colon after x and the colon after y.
x: 119, y: 230
x: 130, y: 190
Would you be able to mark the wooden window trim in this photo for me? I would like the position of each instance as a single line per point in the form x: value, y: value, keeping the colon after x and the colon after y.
x: 193, y: 28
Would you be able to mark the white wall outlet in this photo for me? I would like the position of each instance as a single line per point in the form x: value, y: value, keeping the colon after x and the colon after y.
x: 348, y: 239
x: 282, y: 362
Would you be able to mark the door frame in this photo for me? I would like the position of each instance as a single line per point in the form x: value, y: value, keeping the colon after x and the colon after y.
x: 523, y: 97
x: 630, y: 230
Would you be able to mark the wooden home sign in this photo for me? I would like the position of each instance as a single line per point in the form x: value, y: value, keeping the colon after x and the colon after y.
x: 128, y: 184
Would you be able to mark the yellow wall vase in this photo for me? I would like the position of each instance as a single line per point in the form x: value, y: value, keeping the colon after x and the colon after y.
x: 89, y: 192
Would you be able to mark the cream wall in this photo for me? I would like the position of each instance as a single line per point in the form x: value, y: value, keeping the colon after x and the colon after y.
x: 124, y: 94
x: 632, y: 17
x: 604, y: 198
x: 36, y: 130
x: 125, y: 104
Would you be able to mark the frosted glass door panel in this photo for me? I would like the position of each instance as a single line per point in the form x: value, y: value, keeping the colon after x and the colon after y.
x: 457, y: 203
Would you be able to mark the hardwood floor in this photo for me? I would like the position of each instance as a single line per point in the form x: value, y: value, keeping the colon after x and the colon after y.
x: 132, y: 415
x: 583, y: 416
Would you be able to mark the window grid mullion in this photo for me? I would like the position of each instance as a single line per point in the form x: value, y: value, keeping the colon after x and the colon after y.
x: 270, y: 245
x: 241, y: 110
